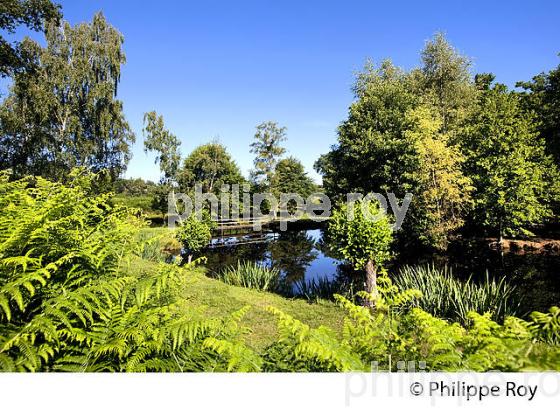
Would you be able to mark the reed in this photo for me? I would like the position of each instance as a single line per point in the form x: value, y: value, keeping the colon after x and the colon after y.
x: 250, y: 275
x: 449, y: 297
x: 314, y: 289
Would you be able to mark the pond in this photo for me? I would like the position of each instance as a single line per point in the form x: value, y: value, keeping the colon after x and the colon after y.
x: 307, y: 268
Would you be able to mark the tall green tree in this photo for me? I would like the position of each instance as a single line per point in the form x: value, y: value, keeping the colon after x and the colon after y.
x: 290, y: 177
x: 211, y: 166
x: 165, y: 145
x: 542, y: 96
x: 160, y: 140
x: 401, y: 137
x: 445, y: 81
x: 64, y: 113
x: 443, y: 191
x: 373, y: 154
x: 32, y: 14
x: 514, y: 179
x: 268, y: 151
x: 394, y: 142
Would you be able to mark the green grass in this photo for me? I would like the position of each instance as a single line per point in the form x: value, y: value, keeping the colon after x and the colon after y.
x: 219, y: 299
x: 143, y: 202
x: 158, y: 244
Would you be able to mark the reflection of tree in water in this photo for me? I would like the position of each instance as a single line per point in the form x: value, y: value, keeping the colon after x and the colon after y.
x: 223, y: 257
x: 292, y: 253
x: 323, y: 245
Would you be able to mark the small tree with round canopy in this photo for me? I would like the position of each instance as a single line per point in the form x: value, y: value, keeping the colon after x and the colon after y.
x: 362, y: 235
x: 195, y: 233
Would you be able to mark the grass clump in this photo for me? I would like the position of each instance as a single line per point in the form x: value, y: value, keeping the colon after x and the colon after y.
x: 250, y: 275
x: 446, y: 296
x: 158, y: 244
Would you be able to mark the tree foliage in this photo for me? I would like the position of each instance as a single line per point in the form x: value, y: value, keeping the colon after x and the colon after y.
x: 372, y: 154
x: 443, y: 191
x: 64, y: 113
x: 514, y: 179
x: 290, y: 177
x: 160, y: 140
x: 361, y: 234
x: 211, y: 166
x: 542, y: 96
x: 32, y: 14
x: 195, y: 232
x: 400, y: 138
x: 362, y: 238
x: 446, y: 81
x: 466, y: 151
x: 267, y: 150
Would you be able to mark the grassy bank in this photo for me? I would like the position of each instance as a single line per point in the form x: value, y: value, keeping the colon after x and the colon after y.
x: 218, y: 299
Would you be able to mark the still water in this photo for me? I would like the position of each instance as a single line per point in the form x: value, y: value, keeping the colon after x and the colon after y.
x: 304, y: 260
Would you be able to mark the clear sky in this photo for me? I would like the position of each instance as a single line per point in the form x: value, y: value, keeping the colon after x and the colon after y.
x: 215, y: 69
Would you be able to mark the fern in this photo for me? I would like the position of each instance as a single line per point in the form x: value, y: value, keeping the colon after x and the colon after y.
x: 66, y: 306
x: 393, y: 333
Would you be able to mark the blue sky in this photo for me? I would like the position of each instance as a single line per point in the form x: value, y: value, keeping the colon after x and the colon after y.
x: 215, y: 69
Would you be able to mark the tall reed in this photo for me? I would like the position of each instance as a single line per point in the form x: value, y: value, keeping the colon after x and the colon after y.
x: 250, y: 275
x: 447, y: 296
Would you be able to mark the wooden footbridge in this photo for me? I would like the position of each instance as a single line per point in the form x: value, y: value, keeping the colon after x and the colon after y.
x: 233, y: 226
x: 235, y: 232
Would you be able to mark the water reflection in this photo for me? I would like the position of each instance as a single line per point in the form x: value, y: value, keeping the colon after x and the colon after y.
x: 305, y: 263
x: 293, y: 253
x: 297, y: 254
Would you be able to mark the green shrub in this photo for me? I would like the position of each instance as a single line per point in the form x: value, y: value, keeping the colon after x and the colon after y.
x: 446, y: 296
x: 546, y: 326
x: 142, y: 202
x: 319, y: 288
x: 195, y: 233
x: 361, y: 237
x: 250, y: 275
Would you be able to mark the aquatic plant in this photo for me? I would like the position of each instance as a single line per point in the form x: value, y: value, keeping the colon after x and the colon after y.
x: 250, y: 275
x: 449, y: 297
x: 321, y: 288
x: 158, y: 244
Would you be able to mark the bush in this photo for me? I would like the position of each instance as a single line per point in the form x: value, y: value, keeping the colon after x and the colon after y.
x: 195, y: 233
x: 362, y: 237
x: 250, y: 275
x: 142, y: 202
x: 446, y: 296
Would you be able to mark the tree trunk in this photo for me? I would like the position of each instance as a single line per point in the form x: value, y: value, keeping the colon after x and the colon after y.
x: 189, y: 259
x: 371, y: 282
x: 501, y: 237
